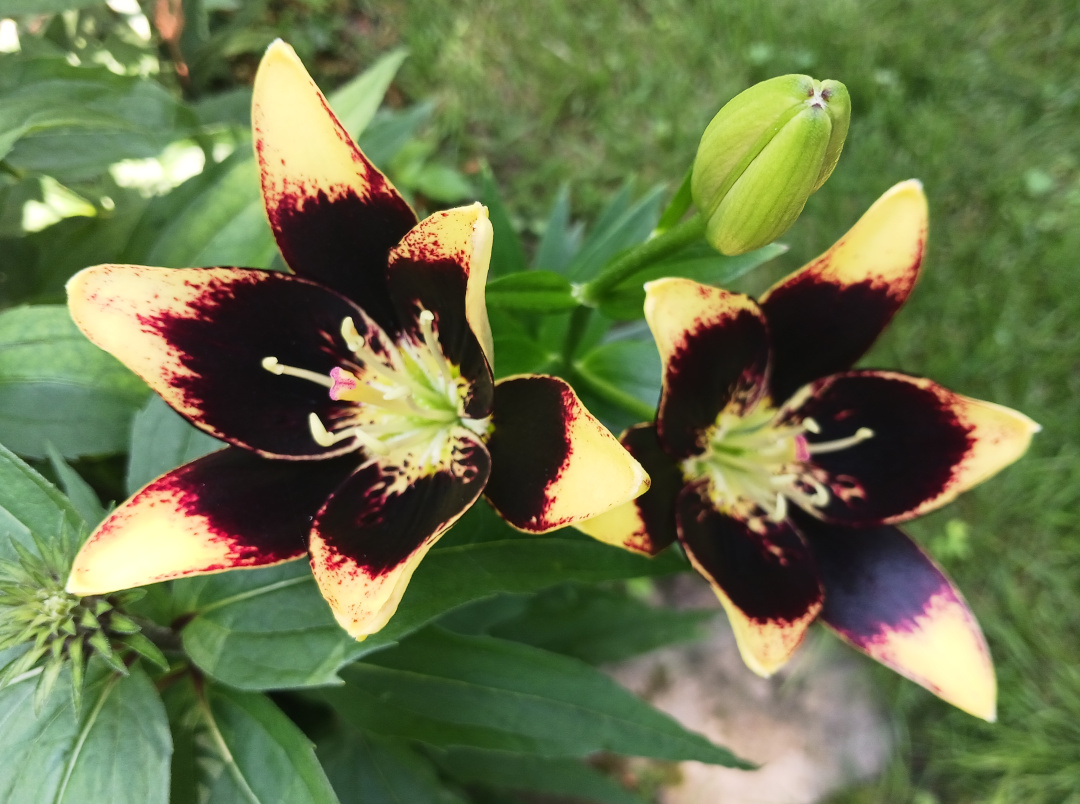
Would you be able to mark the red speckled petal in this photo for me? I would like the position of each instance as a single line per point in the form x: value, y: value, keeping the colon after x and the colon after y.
x: 645, y: 524
x: 335, y: 216
x: 888, y: 599
x: 553, y: 463
x: 441, y: 266
x: 823, y: 317
x: 763, y: 573
x: 927, y: 445
x: 199, y: 336
x: 715, y: 349
x: 228, y: 510
x: 377, y: 526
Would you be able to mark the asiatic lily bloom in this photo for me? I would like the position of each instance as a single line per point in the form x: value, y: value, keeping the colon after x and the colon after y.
x: 355, y: 393
x: 782, y: 471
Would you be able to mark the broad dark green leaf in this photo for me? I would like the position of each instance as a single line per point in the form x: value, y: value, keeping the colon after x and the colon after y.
x: 368, y: 769
x: 529, y: 773
x: 626, y: 301
x: 453, y: 690
x: 82, y: 495
x: 561, y: 239
x: 222, y: 224
x: 117, y: 750
x: 598, y: 625
x: 619, y: 227
x: 161, y: 440
x: 237, y: 746
x: 73, y: 122
x: 266, y: 629
x: 540, y: 291
x: 56, y: 386
x: 519, y: 354
x: 443, y: 184
x: 30, y: 504
x: 507, y: 253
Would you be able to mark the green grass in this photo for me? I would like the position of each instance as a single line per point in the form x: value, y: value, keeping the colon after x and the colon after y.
x: 978, y: 100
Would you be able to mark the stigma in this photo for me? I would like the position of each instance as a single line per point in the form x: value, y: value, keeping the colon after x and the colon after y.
x: 755, y: 463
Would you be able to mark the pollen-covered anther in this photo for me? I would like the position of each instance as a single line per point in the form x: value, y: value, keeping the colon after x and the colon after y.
x: 272, y: 365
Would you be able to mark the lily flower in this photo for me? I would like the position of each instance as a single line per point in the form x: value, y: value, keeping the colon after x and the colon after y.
x: 355, y: 393
x: 782, y: 471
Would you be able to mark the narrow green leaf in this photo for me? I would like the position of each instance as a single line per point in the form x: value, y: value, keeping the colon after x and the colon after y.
x: 616, y: 231
x: 539, y: 291
x: 56, y: 386
x: 239, y: 747
x: 626, y: 302
x: 507, y: 253
x: 272, y: 629
x: 598, y: 625
x: 81, y: 494
x: 528, y: 773
x: 356, y: 102
x: 161, y: 440
x: 454, y: 690
x: 391, y: 130
x: 561, y: 239
x: 367, y: 769
x: 677, y: 206
x: 29, y: 503
x: 116, y: 750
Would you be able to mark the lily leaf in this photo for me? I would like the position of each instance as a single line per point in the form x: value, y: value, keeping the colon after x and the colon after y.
x: 234, y: 746
x: 453, y: 690
x: 81, y: 494
x: 267, y: 629
x: 56, y: 386
x: 561, y: 239
x: 116, y: 750
x: 538, y: 291
x: 507, y: 253
x: 620, y: 226
x: 626, y: 302
x: 357, y: 101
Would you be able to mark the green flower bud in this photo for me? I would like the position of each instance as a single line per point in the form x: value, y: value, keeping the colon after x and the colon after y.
x: 762, y: 156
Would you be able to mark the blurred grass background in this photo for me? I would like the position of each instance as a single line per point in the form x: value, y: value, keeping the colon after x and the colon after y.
x: 982, y: 103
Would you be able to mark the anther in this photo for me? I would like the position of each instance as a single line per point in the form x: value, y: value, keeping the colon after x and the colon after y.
x: 862, y: 434
x: 272, y: 365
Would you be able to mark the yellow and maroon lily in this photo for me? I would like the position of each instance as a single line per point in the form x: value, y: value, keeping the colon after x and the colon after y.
x: 782, y: 471
x: 355, y: 393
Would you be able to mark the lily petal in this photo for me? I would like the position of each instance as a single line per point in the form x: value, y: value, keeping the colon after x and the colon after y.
x: 888, y: 599
x: 335, y: 216
x: 823, y: 317
x: 714, y: 347
x: 646, y: 524
x: 376, y: 527
x: 227, y: 510
x: 926, y: 444
x: 199, y: 336
x: 553, y: 463
x: 762, y: 572
x: 441, y: 267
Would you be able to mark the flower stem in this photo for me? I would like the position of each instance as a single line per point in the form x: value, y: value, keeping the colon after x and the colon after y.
x: 579, y: 322
x: 664, y: 244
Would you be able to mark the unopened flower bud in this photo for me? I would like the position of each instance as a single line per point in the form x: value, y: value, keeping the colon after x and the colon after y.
x: 762, y: 156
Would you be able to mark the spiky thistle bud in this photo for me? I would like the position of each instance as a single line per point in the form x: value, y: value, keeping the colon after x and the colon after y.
x: 48, y: 628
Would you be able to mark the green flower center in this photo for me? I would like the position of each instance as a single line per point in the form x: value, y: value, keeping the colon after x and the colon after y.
x: 755, y: 462
x: 408, y: 399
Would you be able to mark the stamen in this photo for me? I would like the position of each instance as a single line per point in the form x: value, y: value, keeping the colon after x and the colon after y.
x: 426, y: 319
x: 327, y: 439
x: 272, y: 365
x: 353, y: 341
x: 811, y: 426
x: 862, y: 434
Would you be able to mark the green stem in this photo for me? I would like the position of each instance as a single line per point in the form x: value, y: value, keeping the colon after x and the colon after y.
x: 579, y: 322
x: 640, y: 258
